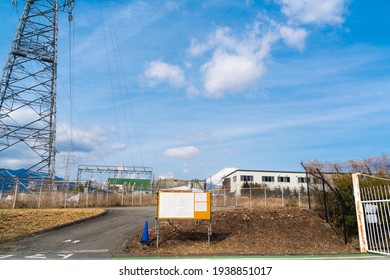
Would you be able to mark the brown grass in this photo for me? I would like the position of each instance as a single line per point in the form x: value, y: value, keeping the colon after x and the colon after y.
x: 60, y: 199
x: 18, y: 222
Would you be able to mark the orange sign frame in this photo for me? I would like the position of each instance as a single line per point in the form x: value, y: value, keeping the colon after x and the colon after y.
x: 184, y: 205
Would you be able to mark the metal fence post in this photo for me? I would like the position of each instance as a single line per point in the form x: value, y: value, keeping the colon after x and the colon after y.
x: 140, y: 195
x: 299, y: 197
x: 16, y: 192
x: 132, y: 195
x: 307, y: 185
x: 250, y: 196
x: 107, y: 196
x: 2, y: 187
x: 123, y: 193
x: 325, y: 202
x: 308, y: 193
x: 66, y: 194
x: 224, y: 197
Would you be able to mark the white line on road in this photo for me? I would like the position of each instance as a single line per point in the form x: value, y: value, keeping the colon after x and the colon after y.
x: 71, y: 241
x: 84, y: 251
x: 5, y: 256
x: 36, y: 256
x: 65, y: 256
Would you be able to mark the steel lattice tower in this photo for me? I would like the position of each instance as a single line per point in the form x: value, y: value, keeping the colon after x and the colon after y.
x: 28, y: 88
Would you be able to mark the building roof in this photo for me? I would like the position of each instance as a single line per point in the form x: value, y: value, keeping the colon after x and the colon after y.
x: 217, y: 179
x: 264, y: 171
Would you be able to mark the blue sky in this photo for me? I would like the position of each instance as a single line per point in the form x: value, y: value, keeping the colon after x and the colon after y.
x: 192, y: 87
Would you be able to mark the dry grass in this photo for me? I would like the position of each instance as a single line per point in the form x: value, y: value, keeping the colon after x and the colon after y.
x: 18, y: 222
x: 61, y: 199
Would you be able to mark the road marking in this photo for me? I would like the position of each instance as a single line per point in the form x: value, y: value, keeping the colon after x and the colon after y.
x: 5, y: 256
x: 65, y: 256
x: 71, y: 241
x: 36, y: 256
x: 84, y: 251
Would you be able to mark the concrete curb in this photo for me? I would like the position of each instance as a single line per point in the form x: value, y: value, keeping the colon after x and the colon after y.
x: 20, y: 237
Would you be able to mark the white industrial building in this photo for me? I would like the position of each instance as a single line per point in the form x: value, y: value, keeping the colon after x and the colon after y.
x: 283, y: 179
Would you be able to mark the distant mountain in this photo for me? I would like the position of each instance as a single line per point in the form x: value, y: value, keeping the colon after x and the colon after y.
x: 8, y: 176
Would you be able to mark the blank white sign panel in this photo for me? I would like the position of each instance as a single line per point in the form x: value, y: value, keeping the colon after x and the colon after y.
x: 176, y: 205
x: 200, y: 197
x: 200, y: 206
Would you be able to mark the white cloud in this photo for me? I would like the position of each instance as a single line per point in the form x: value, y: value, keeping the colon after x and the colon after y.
x: 19, y: 156
x: 293, y: 37
x: 236, y: 62
x: 182, y: 152
x: 230, y: 73
x: 315, y: 11
x: 25, y: 115
x: 157, y: 72
x: 13, y: 163
x: 84, y: 141
x: 197, y: 48
x: 221, y: 37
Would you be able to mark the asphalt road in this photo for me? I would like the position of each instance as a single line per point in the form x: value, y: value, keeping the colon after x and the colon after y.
x: 99, y: 238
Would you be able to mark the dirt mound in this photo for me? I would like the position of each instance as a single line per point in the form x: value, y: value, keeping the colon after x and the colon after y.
x: 286, y: 231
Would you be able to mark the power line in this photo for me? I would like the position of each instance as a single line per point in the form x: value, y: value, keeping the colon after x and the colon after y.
x: 122, y: 81
x: 112, y: 87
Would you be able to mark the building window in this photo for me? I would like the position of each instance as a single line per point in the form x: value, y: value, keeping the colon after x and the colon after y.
x: 268, y: 178
x: 317, y: 181
x: 234, y: 178
x: 246, y: 178
x: 284, y: 179
x: 303, y: 180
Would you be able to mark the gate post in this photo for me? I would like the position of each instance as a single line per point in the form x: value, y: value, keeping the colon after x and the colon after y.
x: 359, y: 213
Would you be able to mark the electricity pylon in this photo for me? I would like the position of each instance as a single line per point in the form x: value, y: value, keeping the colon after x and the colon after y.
x: 28, y: 88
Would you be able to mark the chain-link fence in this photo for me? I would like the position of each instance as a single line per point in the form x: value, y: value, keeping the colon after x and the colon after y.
x: 330, y: 203
x: 41, y: 194
x: 265, y: 196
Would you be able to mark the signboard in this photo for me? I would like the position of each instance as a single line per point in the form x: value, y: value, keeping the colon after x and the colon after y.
x: 184, y: 205
x: 370, y: 211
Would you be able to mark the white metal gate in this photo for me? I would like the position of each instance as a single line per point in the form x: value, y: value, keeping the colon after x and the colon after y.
x: 373, y: 216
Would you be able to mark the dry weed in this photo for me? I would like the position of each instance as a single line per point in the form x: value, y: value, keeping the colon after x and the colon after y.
x: 18, y: 222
